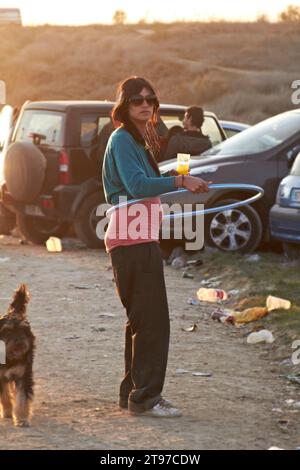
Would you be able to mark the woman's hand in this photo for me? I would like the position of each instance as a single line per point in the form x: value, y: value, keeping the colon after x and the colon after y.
x: 193, y: 184
x: 173, y: 173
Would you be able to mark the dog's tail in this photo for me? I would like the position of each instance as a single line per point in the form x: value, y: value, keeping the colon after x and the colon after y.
x: 20, y: 300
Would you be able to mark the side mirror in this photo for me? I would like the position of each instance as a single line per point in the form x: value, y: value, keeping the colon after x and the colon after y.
x: 291, y: 155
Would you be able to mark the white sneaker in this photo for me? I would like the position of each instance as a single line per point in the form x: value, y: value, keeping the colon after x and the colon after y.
x: 163, y: 409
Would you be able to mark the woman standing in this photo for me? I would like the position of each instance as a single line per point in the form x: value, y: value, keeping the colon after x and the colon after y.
x: 130, y: 170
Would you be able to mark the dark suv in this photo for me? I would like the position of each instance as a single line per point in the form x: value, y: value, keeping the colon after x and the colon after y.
x: 52, y: 170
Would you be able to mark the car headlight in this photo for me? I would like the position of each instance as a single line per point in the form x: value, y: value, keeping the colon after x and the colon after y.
x: 283, y: 193
x: 295, y: 195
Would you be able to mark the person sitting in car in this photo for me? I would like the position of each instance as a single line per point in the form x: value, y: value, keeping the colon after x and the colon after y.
x: 191, y: 140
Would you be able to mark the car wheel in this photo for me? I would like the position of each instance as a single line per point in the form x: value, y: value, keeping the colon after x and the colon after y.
x: 291, y: 250
x: 234, y: 230
x: 86, y: 221
x: 37, y: 230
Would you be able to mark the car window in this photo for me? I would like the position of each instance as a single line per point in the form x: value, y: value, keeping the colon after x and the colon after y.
x: 91, y: 127
x: 263, y: 136
x: 210, y: 128
x: 230, y: 132
x: 47, y: 123
x: 5, y: 125
x: 296, y: 167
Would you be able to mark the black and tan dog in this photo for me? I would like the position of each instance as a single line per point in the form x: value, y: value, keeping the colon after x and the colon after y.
x: 16, y: 379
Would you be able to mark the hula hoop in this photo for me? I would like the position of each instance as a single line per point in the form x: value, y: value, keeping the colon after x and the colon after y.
x: 250, y: 187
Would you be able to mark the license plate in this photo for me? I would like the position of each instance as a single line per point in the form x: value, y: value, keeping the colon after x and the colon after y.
x: 295, y: 196
x: 34, y: 210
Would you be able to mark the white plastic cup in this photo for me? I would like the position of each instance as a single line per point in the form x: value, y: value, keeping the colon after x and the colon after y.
x: 262, y: 336
x: 275, y: 303
x: 54, y: 245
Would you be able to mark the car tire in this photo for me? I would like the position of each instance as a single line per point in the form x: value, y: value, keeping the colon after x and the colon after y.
x: 24, y: 171
x: 291, y: 250
x: 235, y: 231
x: 86, y: 221
x: 7, y: 220
x: 37, y: 230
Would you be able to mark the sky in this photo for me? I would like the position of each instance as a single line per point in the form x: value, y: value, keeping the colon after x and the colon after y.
x: 78, y: 12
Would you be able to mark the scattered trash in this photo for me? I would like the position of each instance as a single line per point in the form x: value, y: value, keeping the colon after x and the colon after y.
x: 72, y: 337
x: 295, y: 379
x: 212, y: 282
x: 80, y: 287
x: 211, y: 295
x: 260, y: 337
x: 106, y: 315
x: 277, y: 410
x: 250, y: 314
x: 190, y: 328
x: 187, y: 275
x: 233, y: 292
x: 181, y: 371
x: 202, y: 374
x: 275, y: 303
x: 177, y: 252
x: 286, y: 362
x: 54, y: 245
x: 275, y: 448
x: 253, y: 258
x: 289, y: 402
x: 194, y: 262
x: 179, y: 262
x: 4, y: 260
x: 192, y: 301
x: 96, y: 329
x: 223, y: 316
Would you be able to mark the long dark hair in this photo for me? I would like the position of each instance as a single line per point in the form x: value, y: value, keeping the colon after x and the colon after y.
x: 126, y: 89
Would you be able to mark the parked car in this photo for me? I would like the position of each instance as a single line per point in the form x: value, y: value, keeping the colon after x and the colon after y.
x: 7, y: 218
x: 259, y: 155
x: 52, y: 170
x: 232, y: 128
x: 285, y: 214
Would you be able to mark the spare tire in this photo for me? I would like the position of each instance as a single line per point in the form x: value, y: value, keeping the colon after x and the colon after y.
x: 24, y: 171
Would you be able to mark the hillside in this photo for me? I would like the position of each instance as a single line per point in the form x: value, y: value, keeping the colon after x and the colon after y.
x: 240, y: 71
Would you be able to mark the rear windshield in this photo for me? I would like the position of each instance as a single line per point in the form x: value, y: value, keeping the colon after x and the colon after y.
x: 48, y: 124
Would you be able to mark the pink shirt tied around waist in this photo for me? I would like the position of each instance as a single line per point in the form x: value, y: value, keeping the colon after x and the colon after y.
x: 133, y: 224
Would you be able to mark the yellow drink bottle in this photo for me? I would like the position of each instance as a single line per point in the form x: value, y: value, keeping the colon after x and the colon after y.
x: 183, y: 160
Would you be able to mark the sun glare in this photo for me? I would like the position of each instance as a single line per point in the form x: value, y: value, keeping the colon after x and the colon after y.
x: 98, y: 11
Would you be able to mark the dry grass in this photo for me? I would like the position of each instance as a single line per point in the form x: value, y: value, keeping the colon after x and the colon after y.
x: 240, y: 71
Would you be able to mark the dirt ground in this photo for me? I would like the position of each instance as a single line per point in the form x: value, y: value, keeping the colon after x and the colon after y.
x: 79, y: 323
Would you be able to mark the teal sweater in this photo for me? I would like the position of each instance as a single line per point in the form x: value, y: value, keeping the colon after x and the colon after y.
x: 128, y: 172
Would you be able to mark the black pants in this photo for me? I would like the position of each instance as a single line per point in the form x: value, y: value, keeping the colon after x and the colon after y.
x: 139, y: 276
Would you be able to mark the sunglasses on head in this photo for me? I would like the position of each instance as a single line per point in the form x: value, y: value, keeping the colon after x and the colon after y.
x: 138, y: 100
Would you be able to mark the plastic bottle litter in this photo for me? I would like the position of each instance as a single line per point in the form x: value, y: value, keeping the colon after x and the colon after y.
x: 53, y: 245
x: 179, y: 262
x: 211, y: 295
x: 253, y: 258
x: 263, y: 336
x: 275, y: 303
x: 250, y: 314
